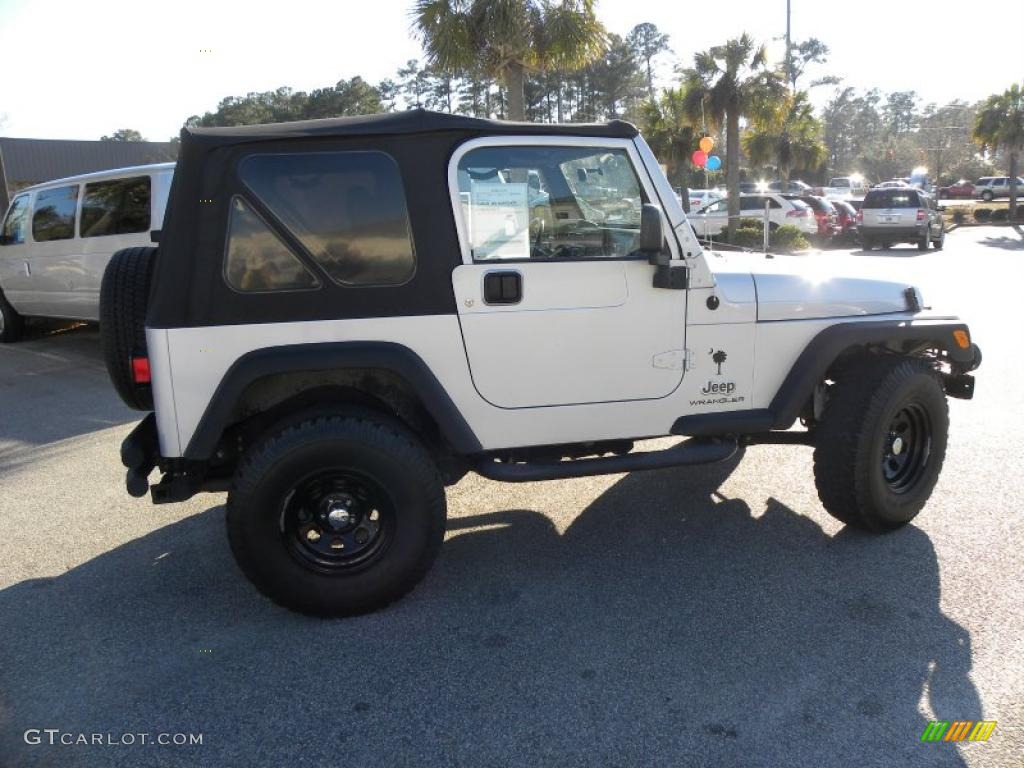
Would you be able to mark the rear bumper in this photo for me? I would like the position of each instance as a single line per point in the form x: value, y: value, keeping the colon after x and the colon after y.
x: 893, y: 233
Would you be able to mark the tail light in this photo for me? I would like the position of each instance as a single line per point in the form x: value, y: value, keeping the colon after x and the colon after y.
x: 140, y: 370
x: 797, y: 213
x: 860, y: 217
x: 920, y: 215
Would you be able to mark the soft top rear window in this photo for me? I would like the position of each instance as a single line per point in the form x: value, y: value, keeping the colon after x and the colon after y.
x: 892, y: 198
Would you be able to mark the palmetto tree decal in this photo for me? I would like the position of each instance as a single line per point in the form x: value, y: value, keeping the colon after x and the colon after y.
x: 718, y: 358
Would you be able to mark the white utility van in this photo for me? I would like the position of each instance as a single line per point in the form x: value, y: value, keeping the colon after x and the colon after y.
x: 57, y: 238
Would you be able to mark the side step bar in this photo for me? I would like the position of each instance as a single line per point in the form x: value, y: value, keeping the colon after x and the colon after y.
x: 696, y: 451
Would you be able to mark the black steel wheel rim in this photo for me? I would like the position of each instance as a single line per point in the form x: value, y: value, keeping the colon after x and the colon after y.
x: 337, y: 521
x: 907, y: 448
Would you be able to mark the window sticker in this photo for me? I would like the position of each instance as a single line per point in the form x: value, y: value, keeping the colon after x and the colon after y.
x: 500, y: 221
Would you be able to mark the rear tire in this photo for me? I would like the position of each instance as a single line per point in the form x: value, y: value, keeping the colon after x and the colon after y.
x: 866, y: 243
x: 865, y: 478
x: 336, y: 515
x: 941, y: 242
x: 12, y: 325
x: 124, y: 296
x: 922, y: 244
x: 987, y: 196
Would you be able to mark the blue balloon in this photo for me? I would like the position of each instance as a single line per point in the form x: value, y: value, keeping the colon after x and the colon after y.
x: 714, y: 163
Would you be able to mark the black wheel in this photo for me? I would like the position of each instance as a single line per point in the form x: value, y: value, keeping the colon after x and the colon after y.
x: 336, y: 515
x: 941, y: 242
x: 925, y: 239
x: 866, y: 243
x: 124, y: 296
x: 882, y: 442
x: 11, y: 323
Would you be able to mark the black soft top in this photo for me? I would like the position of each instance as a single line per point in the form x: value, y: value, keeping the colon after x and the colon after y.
x: 189, y: 289
x: 401, y: 123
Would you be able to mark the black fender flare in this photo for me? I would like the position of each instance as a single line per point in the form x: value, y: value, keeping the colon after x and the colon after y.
x: 823, y: 350
x: 325, y: 356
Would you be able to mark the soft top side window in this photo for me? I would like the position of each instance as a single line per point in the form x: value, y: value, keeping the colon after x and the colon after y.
x: 347, y: 209
x: 256, y: 260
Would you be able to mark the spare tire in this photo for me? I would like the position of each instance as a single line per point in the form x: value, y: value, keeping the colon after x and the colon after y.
x: 124, y: 295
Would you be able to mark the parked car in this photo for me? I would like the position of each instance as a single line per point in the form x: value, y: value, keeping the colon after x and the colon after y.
x: 58, y: 236
x: 700, y: 197
x: 750, y: 187
x: 794, y: 187
x: 824, y: 215
x: 900, y: 216
x: 846, y: 220
x: 843, y: 186
x: 891, y: 184
x: 712, y: 219
x: 352, y: 324
x: 991, y: 187
x: 962, y: 188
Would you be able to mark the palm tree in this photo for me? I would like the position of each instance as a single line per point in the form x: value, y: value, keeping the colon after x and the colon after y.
x: 789, y: 138
x: 672, y: 136
x: 1000, y: 123
x: 506, y: 38
x: 728, y: 82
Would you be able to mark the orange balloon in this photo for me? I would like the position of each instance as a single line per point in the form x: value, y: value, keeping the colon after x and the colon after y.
x: 707, y: 144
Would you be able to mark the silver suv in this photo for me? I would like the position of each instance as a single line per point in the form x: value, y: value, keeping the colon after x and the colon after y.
x: 900, y: 215
x: 991, y: 187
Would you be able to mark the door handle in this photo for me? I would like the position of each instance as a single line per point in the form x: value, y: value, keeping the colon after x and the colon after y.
x: 503, y: 287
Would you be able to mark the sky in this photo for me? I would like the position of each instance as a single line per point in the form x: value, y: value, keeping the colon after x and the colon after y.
x: 83, y: 68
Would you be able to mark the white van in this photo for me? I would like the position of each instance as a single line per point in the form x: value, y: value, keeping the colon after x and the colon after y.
x: 58, y: 236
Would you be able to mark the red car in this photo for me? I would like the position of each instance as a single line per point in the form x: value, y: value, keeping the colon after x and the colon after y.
x: 962, y: 188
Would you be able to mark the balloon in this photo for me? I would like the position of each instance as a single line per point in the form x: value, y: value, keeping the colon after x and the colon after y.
x: 707, y: 144
x: 699, y: 158
x: 714, y: 163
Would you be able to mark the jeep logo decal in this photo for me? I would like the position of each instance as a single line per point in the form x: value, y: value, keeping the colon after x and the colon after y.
x: 718, y: 387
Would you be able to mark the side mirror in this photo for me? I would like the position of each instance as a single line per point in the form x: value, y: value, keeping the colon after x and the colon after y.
x: 652, y: 229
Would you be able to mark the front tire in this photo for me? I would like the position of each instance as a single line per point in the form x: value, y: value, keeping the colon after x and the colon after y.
x: 882, y: 442
x: 11, y: 323
x: 336, y: 515
x: 987, y: 196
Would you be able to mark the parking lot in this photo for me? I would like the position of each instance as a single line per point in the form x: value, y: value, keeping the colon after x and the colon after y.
x: 707, y: 616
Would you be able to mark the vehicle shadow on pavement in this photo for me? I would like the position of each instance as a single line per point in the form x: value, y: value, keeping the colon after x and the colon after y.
x: 1006, y: 242
x: 57, y: 379
x: 668, y: 625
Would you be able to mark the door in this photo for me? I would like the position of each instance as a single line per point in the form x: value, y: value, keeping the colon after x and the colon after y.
x: 14, y: 269
x: 54, y: 257
x: 556, y: 305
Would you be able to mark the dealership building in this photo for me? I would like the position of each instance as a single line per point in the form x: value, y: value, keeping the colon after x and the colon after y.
x: 24, y: 162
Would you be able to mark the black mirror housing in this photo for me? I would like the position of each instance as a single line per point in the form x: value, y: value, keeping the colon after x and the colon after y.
x: 652, y: 229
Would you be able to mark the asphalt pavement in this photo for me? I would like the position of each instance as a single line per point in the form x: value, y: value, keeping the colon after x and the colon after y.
x: 713, y: 616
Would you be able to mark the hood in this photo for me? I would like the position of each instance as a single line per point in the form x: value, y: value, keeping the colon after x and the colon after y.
x: 822, y: 285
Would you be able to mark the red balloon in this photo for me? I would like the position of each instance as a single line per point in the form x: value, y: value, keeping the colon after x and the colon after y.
x: 699, y: 158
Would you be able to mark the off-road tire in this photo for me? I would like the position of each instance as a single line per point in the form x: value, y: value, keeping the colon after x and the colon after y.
x: 124, y: 296
x: 11, y: 323
x: 848, y: 457
x: 363, y: 444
